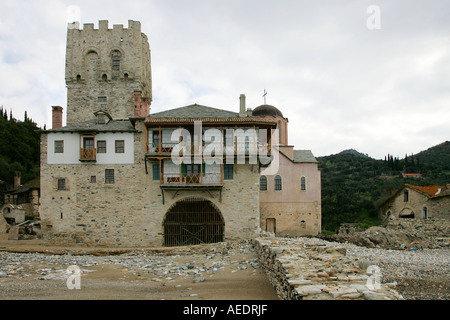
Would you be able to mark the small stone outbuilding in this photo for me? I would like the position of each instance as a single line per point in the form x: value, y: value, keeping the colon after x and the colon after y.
x: 417, y: 202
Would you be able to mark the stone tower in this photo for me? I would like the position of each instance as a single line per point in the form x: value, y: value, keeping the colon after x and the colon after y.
x: 108, y: 70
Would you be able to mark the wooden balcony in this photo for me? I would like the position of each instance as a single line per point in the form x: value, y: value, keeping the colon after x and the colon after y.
x: 166, y: 149
x: 88, y: 155
x: 186, y: 180
x: 204, y: 182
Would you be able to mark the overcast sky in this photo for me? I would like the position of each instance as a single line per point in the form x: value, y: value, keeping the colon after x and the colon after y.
x: 344, y: 73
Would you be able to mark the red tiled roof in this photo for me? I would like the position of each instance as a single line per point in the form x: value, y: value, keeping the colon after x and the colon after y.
x: 431, y: 191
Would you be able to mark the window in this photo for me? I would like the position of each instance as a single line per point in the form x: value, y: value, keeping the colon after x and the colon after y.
x: 155, y: 139
x: 120, y: 146
x: 59, y: 146
x: 101, y: 146
x: 116, y: 63
x: 303, y: 224
x: 303, y: 183
x: 116, y: 55
x: 263, y: 183
x: 93, y: 179
x: 156, y: 174
x: 406, y: 196
x: 278, y: 183
x: 62, y: 184
x: 102, y: 99
x: 109, y: 176
x: 228, y: 171
x: 425, y: 213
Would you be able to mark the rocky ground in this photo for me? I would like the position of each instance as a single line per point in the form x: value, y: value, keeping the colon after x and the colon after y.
x: 422, y: 274
x: 225, y: 271
x: 229, y: 271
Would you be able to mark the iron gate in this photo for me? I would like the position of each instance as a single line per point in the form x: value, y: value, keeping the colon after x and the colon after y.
x: 193, y: 221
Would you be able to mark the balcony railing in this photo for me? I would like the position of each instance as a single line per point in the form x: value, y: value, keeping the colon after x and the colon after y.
x: 88, y: 154
x: 191, y: 179
x: 237, y: 148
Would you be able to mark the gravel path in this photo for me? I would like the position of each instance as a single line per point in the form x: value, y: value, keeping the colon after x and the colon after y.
x: 213, y: 272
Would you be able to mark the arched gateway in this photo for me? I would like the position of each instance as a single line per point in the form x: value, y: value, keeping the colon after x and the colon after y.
x: 193, y: 221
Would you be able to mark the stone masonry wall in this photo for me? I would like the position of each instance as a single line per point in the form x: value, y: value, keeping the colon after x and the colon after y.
x: 131, y: 211
x: 90, y: 73
x: 303, y: 270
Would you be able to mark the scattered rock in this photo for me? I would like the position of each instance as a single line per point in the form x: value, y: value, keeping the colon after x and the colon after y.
x: 199, y: 279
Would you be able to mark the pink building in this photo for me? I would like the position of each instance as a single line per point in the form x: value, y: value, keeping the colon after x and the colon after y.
x: 290, y: 200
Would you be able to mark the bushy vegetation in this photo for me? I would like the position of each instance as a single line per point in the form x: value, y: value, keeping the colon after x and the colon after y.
x: 19, y: 149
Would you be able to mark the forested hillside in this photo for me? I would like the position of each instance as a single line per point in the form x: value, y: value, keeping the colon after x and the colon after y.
x: 19, y: 149
x: 353, y: 184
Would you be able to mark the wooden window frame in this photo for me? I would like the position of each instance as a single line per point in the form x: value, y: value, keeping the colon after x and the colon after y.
x: 61, y: 184
x: 156, y: 172
x: 100, y: 148
x: 109, y: 176
x: 120, y: 149
x: 59, y: 149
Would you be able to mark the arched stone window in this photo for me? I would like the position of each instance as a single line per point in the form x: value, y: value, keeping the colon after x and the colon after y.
x: 278, y: 183
x: 303, y: 183
x: 116, y: 56
x: 92, y: 65
x: 263, y: 183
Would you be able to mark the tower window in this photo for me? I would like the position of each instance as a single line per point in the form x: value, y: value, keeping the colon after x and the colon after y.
x: 116, y: 64
x: 116, y: 56
x: 102, y: 99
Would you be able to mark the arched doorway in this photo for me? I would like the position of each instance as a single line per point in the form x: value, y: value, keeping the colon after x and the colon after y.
x: 406, y: 213
x: 193, y: 221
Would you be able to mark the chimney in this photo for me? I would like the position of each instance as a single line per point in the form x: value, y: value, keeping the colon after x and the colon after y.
x: 17, y: 175
x: 242, y: 111
x: 141, y: 104
x: 57, y: 117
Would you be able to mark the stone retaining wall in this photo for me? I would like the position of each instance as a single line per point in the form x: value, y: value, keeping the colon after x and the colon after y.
x: 303, y: 270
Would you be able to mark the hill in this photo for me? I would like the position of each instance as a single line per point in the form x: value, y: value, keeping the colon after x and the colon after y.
x: 19, y: 149
x: 354, y: 152
x: 353, y: 183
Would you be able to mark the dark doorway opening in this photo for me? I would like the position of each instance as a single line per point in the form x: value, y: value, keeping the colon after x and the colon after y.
x: 193, y: 221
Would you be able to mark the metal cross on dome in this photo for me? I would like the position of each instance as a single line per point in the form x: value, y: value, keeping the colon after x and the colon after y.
x: 264, y: 96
